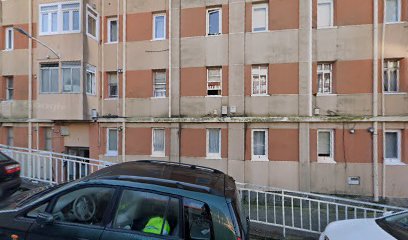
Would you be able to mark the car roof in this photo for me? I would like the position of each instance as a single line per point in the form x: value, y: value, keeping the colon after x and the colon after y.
x: 170, y: 174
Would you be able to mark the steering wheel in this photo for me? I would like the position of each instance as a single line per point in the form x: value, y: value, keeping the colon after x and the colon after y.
x: 84, y: 208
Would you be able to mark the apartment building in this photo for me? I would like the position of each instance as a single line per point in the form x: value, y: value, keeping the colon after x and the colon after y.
x: 308, y: 95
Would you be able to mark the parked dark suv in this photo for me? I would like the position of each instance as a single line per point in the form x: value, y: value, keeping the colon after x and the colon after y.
x: 9, y: 176
x: 134, y: 200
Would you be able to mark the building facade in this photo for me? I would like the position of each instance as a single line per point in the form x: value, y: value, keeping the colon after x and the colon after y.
x: 308, y: 95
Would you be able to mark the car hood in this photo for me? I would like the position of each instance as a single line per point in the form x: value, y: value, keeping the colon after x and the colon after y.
x: 356, y: 229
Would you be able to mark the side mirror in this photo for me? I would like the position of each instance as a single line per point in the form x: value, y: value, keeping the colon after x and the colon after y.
x: 45, y: 219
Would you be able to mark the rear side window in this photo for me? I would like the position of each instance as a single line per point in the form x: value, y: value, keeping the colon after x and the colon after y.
x: 148, y: 213
x: 3, y: 157
x: 198, y: 222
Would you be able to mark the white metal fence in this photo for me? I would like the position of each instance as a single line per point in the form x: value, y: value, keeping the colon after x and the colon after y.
x: 51, y: 167
x: 305, y: 212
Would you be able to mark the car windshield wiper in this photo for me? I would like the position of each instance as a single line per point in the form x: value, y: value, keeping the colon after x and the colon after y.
x: 42, y: 192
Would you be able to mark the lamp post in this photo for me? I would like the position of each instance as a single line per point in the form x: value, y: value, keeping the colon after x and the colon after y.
x: 35, y: 39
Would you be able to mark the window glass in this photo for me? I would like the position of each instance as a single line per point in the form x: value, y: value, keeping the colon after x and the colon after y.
x: 113, y: 31
x: 391, y: 75
x: 198, y: 222
x: 158, y: 141
x: 54, y: 22
x: 92, y: 22
x: 259, y: 80
x: 9, y: 39
x: 85, y: 206
x: 91, y: 80
x: 71, y: 75
x: 113, y: 85
x: 324, y: 144
x: 75, y: 22
x: 159, y: 89
x: 214, y: 22
x: 159, y: 26
x: 149, y: 213
x: 324, y: 77
x: 324, y: 13
x: 10, y: 136
x: 259, y: 143
x: 392, y: 11
x: 48, y: 138
x: 214, y: 144
x: 391, y: 145
x: 259, y: 18
x: 40, y: 209
x: 44, y: 22
x: 214, y: 81
x: 10, y: 88
x: 113, y: 140
x: 49, y: 78
x: 65, y: 21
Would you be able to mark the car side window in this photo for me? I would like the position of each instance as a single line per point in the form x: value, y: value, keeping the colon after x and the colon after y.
x: 40, y: 209
x: 198, y: 222
x: 83, y: 206
x: 148, y: 213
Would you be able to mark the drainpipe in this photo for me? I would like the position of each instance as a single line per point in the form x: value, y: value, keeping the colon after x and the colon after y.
x: 30, y: 76
x: 124, y: 83
x: 170, y: 65
x: 382, y: 98
x: 103, y: 59
x: 117, y: 70
x: 375, y: 103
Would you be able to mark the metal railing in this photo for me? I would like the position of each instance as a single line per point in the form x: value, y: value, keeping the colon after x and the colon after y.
x: 51, y: 167
x: 306, y: 212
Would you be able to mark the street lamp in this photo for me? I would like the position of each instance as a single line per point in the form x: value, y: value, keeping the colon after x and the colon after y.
x: 35, y: 39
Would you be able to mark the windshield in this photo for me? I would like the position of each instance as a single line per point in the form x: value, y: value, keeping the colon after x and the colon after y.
x: 396, y: 225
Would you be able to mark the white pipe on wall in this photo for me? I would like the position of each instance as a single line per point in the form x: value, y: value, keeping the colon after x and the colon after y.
x: 170, y: 65
x: 124, y: 82
x: 382, y: 98
x: 30, y: 75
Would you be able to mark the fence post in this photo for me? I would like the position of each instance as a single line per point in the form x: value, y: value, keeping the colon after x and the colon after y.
x: 283, y: 214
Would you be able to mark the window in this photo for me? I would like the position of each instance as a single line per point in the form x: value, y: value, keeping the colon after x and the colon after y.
x: 83, y: 206
x: 10, y: 136
x: 9, y: 39
x: 49, y: 78
x: 325, y: 146
x: 149, y: 213
x: 260, y: 17
x: 10, y: 88
x: 48, y: 139
x: 393, y: 11
x: 71, y: 77
x: 214, y: 143
x: 325, y: 78
x: 260, y: 144
x: 259, y: 80
x: 214, y: 79
x: 92, y: 22
x: 112, y: 140
x: 198, y: 220
x: 214, y: 21
x: 90, y: 80
x: 113, y: 30
x: 391, y: 75
x: 60, y: 18
x: 158, y: 142
x: 324, y: 13
x: 159, y: 84
x: 40, y: 209
x: 159, y: 26
x: 113, y: 85
x: 392, y: 147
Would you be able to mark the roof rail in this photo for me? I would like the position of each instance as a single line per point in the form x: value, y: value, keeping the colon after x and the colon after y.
x: 166, y: 182
x: 183, y: 165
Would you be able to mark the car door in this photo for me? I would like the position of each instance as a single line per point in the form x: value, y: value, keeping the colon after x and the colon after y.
x: 144, y: 215
x: 78, y: 214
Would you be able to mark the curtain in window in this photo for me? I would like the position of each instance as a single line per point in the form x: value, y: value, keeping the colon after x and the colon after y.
x: 324, y: 14
x: 159, y: 27
x: 159, y: 84
x: 214, y: 141
x: 391, y: 145
x: 71, y: 77
x: 392, y: 11
x: 113, y: 140
x: 214, y: 22
x: 113, y: 85
x: 259, y: 19
x: 158, y: 140
x: 324, y: 144
x: 259, y: 143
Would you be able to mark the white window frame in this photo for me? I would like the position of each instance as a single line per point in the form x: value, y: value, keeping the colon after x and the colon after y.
x: 59, y: 12
x: 267, y: 80
x: 10, y: 137
x: 109, y: 85
x: 154, y: 26
x: 91, y: 13
x: 329, y: 159
x: 112, y: 152
x: 386, y: 68
x: 260, y: 157
x: 158, y: 153
x: 91, y: 69
x: 208, y: 81
x: 209, y: 10
x: 331, y: 24
x: 46, y: 66
x: 213, y: 155
x: 8, y: 88
x: 323, y: 71
x: 258, y: 6
x: 154, y: 83
x: 71, y: 66
x: 9, y: 45
x: 112, y: 19
x: 399, y: 13
x: 393, y: 161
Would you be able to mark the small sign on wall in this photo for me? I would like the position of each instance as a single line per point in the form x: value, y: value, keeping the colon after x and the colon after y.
x: 353, y: 180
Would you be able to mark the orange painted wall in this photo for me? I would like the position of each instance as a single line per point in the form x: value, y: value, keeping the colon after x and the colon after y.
x: 283, y: 144
x: 94, y: 146
x: 120, y: 30
x: 139, y: 84
x: 139, y: 141
x: 354, y: 76
x: 20, y: 136
x: 283, y: 14
x: 193, y: 22
x: 139, y: 26
x: 403, y: 75
x: 193, y: 81
x: 283, y: 78
x: 193, y: 142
